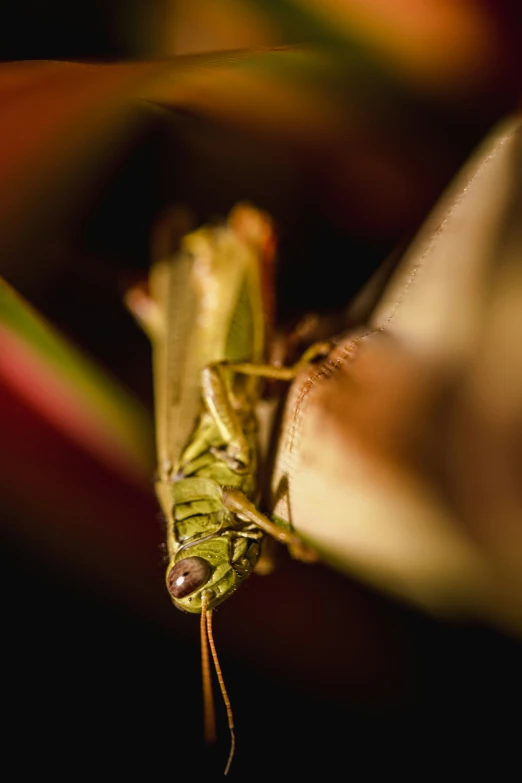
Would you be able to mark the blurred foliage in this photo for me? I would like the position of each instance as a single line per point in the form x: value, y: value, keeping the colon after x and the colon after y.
x: 41, y: 365
x: 347, y: 140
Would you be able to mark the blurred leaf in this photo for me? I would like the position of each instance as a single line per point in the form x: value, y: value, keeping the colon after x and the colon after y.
x: 399, y: 459
x: 452, y: 51
x: 76, y: 459
x: 72, y: 392
x: 373, y: 153
x: 61, y: 124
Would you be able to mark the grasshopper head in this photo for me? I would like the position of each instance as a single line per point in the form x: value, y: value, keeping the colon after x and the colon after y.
x: 208, y: 571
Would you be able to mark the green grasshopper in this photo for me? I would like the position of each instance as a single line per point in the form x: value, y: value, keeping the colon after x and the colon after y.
x: 206, y: 313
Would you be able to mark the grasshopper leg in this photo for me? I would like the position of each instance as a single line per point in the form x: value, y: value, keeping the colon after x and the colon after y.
x: 236, y: 501
x: 217, y: 395
x: 315, y: 351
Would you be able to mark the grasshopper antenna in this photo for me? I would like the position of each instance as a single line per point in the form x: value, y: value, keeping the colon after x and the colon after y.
x: 228, y: 706
x: 209, y: 713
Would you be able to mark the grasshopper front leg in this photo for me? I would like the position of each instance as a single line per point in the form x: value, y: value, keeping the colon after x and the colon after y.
x: 237, y: 502
x: 217, y: 396
x: 315, y: 351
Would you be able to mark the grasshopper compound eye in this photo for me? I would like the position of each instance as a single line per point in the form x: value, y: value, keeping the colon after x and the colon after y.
x: 188, y: 575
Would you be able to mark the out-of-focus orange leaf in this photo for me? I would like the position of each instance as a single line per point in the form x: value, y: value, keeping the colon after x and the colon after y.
x: 449, y: 50
x: 61, y: 123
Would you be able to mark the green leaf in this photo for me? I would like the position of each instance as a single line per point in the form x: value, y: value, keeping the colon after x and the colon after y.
x: 70, y: 391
